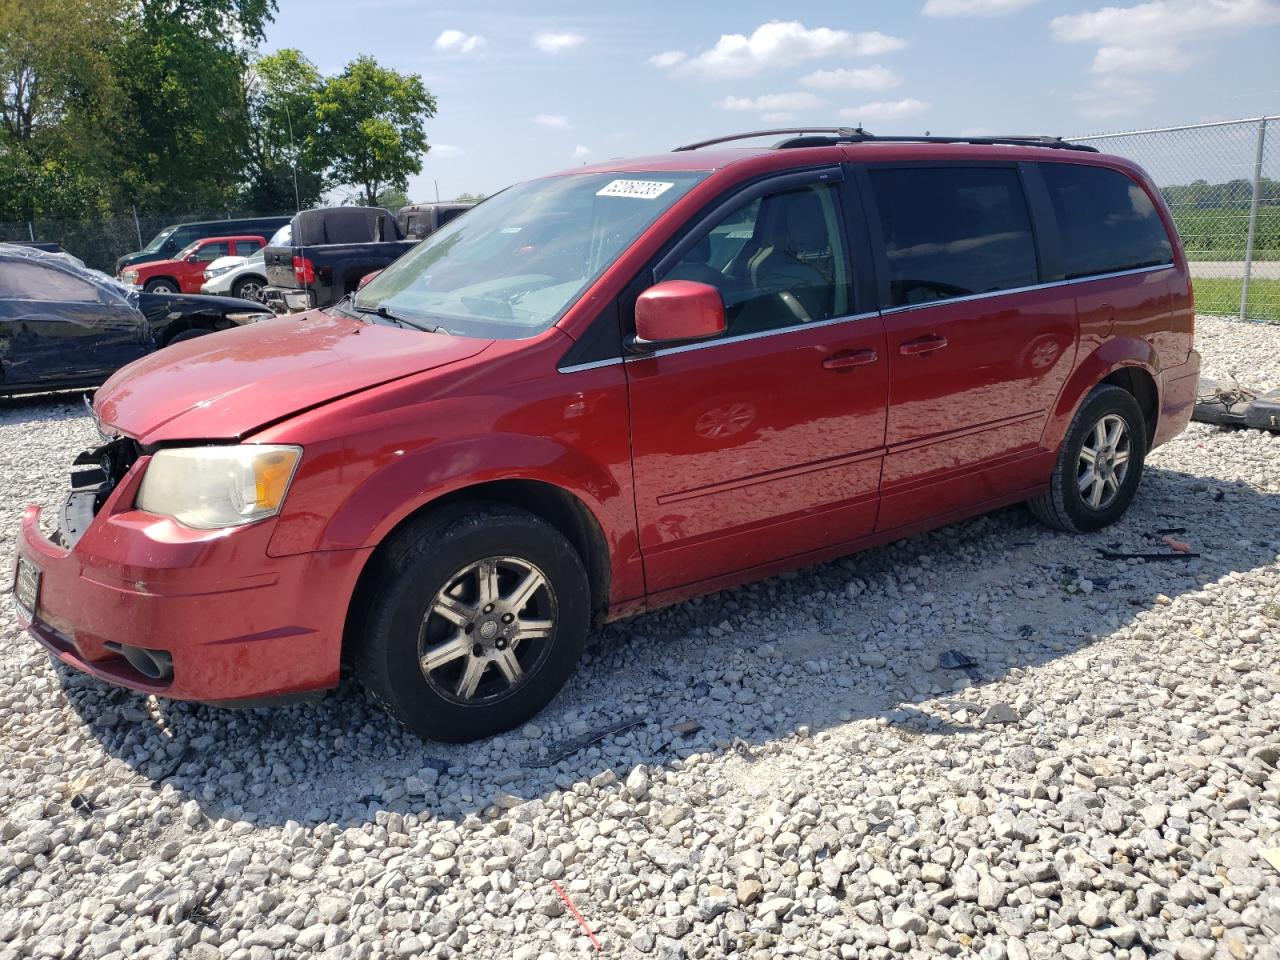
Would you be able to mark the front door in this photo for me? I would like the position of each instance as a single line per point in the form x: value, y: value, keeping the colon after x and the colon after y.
x: 766, y: 443
x: 977, y: 350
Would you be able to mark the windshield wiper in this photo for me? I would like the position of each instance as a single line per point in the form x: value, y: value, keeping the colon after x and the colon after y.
x: 385, y: 314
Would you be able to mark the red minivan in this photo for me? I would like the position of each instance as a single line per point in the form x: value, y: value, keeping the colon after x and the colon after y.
x: 185, y: 272
x: 612, y: 389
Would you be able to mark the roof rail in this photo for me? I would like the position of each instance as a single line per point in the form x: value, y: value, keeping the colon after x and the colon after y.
x: 830, y: 136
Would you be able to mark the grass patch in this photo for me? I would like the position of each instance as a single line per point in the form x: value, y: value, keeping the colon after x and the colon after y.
x: 1221, y: 296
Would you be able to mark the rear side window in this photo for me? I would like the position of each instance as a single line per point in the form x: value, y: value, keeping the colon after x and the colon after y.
x: 1106, y: 221
x: 953, y: 231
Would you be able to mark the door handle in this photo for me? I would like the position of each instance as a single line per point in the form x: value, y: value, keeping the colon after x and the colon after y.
x: 913, y: 348
x: 849, y: 360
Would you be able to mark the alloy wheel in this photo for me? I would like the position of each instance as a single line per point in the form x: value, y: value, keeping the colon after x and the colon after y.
x: 487, y: 630
x: 1104, y: 462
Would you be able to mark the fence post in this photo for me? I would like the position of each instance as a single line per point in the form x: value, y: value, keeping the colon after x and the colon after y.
x: 1253, y: 219
x: 137, y: 226
x: 31, y: 231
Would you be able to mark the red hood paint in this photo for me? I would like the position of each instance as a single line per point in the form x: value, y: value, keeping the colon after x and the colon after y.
x: 225, y: 385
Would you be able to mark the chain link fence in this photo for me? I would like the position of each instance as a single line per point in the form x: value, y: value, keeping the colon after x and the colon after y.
x: 1222, y: 183
x: 99, y: 242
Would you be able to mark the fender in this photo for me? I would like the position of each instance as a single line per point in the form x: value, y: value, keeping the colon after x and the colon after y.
x: 417, y: 478
x: 1111, y: 356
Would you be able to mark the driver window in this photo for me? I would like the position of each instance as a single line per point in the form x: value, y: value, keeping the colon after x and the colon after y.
x: 210, y: 252
x: 778, y: 261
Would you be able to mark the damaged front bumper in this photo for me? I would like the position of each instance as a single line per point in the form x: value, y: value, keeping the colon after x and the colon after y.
x: 141, y: 601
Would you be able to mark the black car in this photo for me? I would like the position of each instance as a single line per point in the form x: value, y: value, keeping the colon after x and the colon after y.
x: 180, y: 235
x: 65, y: 326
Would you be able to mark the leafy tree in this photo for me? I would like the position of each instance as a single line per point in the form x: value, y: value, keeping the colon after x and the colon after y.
x: 472, y: 197
x: 57, y: 93
x: 280, y: 100
x: 392, y: 198
x: 184, y: 136
x: 371, y: 127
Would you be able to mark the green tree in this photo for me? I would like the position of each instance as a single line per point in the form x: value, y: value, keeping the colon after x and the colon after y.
x: 472, y: 197
x: 184, y: 136
x: 57, y: 94
x: 371, y: 127
x: 280, y: 99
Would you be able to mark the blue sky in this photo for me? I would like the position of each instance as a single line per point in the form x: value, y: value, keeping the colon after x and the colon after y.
x: 525, y: 89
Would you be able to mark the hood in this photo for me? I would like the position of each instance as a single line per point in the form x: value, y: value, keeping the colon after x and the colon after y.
x: 158, y: 305
x: 160, y: 263
x: 226, y: 385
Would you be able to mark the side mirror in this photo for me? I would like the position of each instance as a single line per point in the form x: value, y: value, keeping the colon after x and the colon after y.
x: 193, y: 258
x: 366, y: 278
x: 677, y: 311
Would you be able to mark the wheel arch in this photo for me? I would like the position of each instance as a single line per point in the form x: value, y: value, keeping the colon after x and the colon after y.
x: 1130, y: 363
x: 555, y: 505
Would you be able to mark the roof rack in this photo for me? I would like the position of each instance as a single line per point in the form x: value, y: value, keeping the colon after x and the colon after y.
x: 830, y: 136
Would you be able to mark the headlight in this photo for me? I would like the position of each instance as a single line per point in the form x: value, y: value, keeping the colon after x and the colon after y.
x: 211, y: 487
x: 215, y: 272
x: 131, y: 276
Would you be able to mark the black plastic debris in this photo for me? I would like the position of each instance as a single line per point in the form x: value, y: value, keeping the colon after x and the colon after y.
x: 955, y: 660
x: 569, y: 747
x: 1114, y: 555
x: 1231, y: 405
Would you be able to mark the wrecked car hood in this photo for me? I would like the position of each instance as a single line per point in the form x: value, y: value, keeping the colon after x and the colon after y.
x: 226, y: 385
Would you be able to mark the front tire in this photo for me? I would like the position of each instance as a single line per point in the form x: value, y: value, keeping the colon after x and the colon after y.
x: 1099, y: 464
x: 475, y: 618
x: 162, y: 285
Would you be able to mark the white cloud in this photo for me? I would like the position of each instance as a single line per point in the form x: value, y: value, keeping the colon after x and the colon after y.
x: 1146, y: 37
x: 549, y: 42
x: 1114, y: 96
x: 1160, y: 36
x: 580, y: 152
x: 459, y: 42
x: 884, y: 110
x: 852, y: 78
x: 554, y: 120
x: 668, y: 59
x: 778, y: 43
x: 772, y: 102
x: 446, y: 150
x: 973, y: 8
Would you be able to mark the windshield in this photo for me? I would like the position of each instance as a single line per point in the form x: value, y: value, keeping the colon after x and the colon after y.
x: 514, y: 264
x: 158, y: 240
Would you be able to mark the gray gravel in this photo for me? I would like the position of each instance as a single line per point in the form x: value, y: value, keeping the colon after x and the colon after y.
x: 807, y: 776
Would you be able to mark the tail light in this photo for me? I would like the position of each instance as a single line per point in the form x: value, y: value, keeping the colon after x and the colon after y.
x: 304, y: 271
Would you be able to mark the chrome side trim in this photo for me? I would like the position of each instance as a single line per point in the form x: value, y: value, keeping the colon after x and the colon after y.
x: 1034, y: 286
x: 593, y: 365
x: 793, y: 328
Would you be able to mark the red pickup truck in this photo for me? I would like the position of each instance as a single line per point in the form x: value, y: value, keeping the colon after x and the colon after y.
x: 185, y: 272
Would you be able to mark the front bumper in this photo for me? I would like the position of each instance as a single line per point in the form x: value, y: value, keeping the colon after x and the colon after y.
x: 287, y: 299
x: 239, y: 624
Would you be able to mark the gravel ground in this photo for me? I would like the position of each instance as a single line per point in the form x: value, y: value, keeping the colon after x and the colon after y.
x: 805, y: 775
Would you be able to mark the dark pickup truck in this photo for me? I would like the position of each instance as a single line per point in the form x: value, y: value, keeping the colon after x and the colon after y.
x: 329, y: 251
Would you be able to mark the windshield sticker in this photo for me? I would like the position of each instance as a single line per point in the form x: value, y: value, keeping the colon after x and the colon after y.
x: 637, y: 189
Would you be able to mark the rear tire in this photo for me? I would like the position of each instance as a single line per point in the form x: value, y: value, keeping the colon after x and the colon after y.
x: 1099, y: 464
x: 475, y: 618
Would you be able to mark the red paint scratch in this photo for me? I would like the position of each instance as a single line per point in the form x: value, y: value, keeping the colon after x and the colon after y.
x: 582, y: 923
